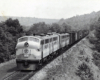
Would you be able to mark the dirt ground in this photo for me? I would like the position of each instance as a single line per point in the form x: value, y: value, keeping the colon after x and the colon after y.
x: 65, y: 66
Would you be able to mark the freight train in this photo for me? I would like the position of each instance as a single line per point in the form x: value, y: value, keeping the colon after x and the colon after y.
x: 33, y: 51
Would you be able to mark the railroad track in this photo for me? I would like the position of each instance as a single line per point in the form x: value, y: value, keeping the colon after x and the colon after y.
x: 19, y: 75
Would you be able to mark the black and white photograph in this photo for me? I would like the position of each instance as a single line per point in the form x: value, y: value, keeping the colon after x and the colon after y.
x: 49, y: 39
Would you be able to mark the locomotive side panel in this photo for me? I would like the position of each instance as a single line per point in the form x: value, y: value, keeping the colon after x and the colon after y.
x: 62, y: 40
x: 67, y: 39
x: 50, y: 46
x: 55, y: 43
x: 46, y: 48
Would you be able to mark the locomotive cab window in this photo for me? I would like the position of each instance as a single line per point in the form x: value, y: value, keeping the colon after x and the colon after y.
x: 23, y: 39
x: 42, y: 42
x: 55, y: 38
x: 28, y: 39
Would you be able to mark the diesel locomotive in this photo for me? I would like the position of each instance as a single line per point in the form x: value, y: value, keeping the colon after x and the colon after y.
x: 33, y: 51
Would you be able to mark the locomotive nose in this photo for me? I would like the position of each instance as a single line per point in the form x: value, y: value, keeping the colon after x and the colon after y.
x: 26, y: 51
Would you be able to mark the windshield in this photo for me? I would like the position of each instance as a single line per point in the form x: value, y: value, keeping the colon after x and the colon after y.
x: 23, y: 39
x: 28, y: 39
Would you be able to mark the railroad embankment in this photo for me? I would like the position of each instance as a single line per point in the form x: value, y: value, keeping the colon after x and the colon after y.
x: 7, y: 68
x: 76, y: 63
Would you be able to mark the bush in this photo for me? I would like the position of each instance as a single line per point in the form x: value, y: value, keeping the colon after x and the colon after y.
x: 96, y: 59
x: 96, y: 56
x: 84, y: 72
x: 87, y: 59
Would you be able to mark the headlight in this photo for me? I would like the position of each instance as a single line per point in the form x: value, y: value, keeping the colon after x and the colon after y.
x: 26, y: 44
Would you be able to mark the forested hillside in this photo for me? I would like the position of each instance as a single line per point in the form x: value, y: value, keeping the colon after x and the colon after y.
x: 82, y: 21
x: 42, y: 28
x: 28, y: 21
x: 95, y: 34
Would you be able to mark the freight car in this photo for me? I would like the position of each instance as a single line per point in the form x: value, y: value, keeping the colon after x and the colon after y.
x: 33, y: 51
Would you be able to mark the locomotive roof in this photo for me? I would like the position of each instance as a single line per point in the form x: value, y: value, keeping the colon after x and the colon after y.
x: 46, y: 36
x: 40, y: 37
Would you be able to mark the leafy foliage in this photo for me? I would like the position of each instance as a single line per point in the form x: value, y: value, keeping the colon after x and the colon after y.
x: 79, y: 22
x: 38, y: 28
x: 10, y: 30
x: 96, y: 59
x: 84, y: 72
x: 41, y: 27
x: 96, y: 39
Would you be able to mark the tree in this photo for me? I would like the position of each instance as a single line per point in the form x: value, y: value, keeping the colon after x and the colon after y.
x: 96, y: 27
x: 55, y: 28
x: 38, y: 28
x: 10, y: 31
x: 65, y: 28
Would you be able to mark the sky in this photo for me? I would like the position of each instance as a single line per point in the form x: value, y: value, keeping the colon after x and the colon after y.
x: 51, y: 9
